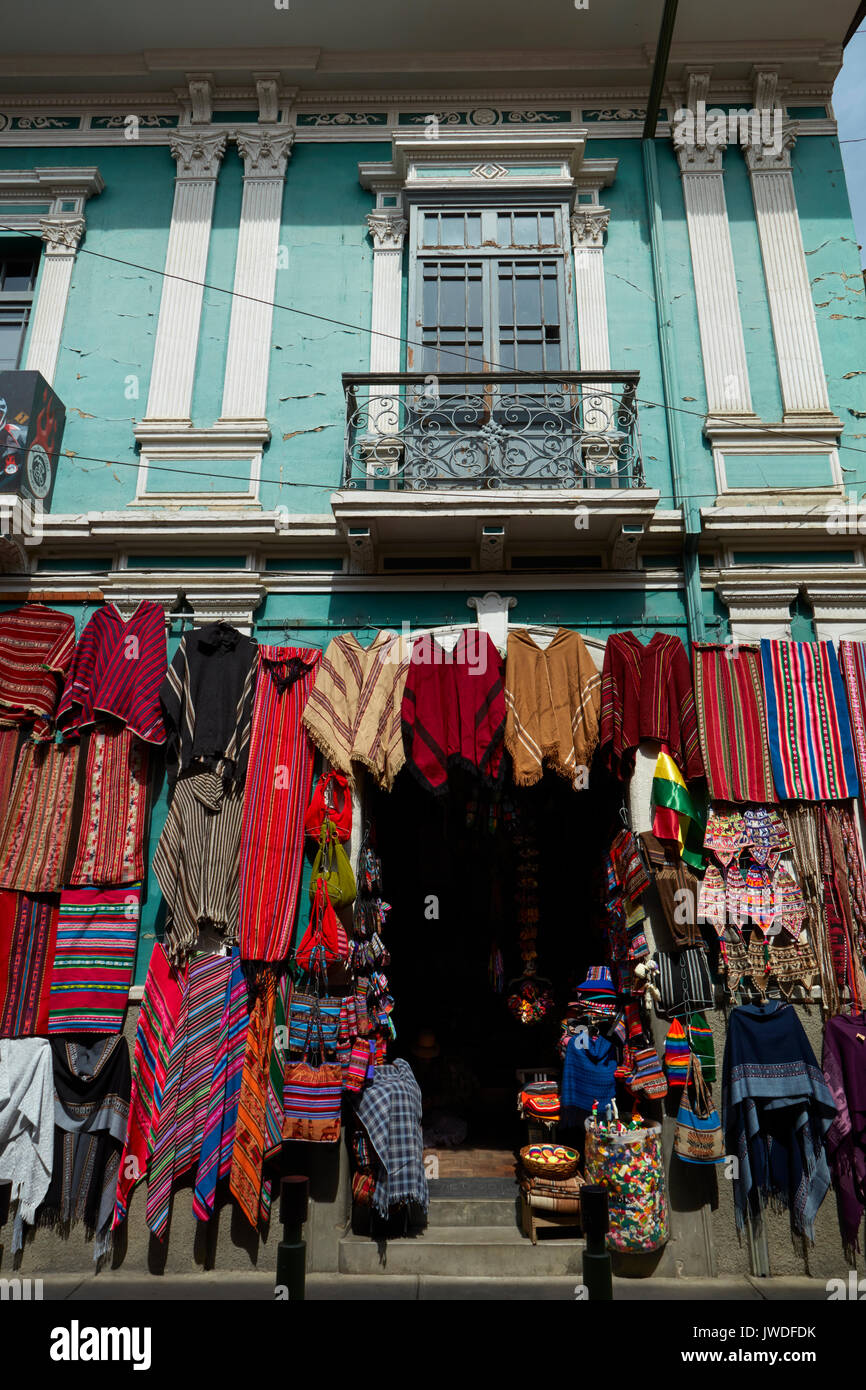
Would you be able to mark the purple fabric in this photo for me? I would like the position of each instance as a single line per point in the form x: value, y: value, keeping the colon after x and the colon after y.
x: 844, y: 1063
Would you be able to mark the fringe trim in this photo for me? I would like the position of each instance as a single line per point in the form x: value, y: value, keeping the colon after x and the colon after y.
x: 329, y: 750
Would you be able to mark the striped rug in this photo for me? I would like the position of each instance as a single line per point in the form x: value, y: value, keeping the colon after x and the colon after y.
x: 28, y: 932
x: 732, y: 723
x: 807, y: 717
x: 35, y: 834
x: 221, y: 1122
x: 251, y: 1138
x: 276, y: 797
x: 852, y: 660
x: 180, y: 1130
x: 97, y: 931
x: 157, y: 1020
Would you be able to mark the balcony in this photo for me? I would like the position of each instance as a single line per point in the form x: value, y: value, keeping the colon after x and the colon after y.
x: 492, y: 431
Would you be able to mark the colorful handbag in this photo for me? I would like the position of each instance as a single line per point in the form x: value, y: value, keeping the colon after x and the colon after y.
x: 331, y: 867
x: 325, y: 941
x: 698, y: 1135
x: 309, y: 1011
x: 312, y: 1098
x: 331, y: 801
x: 684, y: 982
x: 628, y: 1163
x: 355, y: 1073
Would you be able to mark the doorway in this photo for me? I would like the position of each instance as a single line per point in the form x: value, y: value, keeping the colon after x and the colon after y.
x: 464, y: 873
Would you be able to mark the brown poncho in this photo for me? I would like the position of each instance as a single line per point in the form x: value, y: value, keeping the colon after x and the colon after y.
x: 353, y: 713
x: 552, y: 700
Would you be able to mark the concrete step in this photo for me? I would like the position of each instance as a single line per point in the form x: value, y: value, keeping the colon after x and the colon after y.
x: 463, y: 1252
x: 477, y: 1211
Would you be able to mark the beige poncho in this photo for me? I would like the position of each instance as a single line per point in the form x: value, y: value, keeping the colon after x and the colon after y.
x: 553, y: 697
x: 353, y: 713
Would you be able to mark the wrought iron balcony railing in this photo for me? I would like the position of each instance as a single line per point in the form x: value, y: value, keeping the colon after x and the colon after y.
x: 492, y: 430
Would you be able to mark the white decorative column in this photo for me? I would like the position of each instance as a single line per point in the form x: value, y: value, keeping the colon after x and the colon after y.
x: 839, y: 608
x: 62, y: 237
x: 388, y: 231
x: 265, y: 154
x: 720, y: 325
x: 588, y: 226
x: 795, y: 331
x: 198, y: 158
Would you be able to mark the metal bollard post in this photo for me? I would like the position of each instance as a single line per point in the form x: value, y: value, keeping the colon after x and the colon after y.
x: 292, y: 1249
x: 597, y: 1275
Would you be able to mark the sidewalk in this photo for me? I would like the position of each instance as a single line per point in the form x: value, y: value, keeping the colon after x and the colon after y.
x: 257, y: 1287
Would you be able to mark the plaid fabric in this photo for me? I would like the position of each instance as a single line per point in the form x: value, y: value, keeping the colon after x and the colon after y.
x: 390, y: 1112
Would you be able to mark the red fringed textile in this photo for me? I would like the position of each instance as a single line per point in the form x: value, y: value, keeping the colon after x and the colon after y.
x: 245, y: 1182
x: 453, y: 710
x: 732, y: 722
x: 646, y: 693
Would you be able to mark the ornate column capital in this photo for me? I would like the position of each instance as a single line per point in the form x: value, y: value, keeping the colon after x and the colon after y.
x: 62, y: 235
x: 694, y: 158
x: 198, y: 153
x: 388, y: 229
x: 265, y: 152
x: 588, y: 226
x: 766, y: 151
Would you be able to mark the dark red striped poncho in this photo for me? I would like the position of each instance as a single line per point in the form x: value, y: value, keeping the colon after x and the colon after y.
x: 117, y: 672
x: 646, y: 693
x: 453, y: 710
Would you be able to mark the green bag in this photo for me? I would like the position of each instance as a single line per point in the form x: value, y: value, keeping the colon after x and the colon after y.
x: 332, y: 866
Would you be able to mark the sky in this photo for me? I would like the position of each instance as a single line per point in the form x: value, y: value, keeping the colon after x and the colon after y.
x: 849, y: 104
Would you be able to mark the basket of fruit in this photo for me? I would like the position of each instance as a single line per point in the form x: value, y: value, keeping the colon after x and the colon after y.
x: 549, y: 1160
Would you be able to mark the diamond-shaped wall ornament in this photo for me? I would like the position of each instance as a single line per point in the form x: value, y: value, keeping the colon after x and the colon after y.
x: 489, y: 171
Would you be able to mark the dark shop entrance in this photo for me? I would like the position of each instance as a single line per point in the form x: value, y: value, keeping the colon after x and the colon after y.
x: 477, y: 881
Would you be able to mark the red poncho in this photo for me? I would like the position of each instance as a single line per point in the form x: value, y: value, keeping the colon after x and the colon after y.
x: 453, y: 710
x: 646, y: 693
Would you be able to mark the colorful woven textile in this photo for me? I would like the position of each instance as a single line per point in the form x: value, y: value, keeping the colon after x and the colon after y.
x: 646, y: 693
x: 36, y: 647
x: 678, y: 1056
x: 114, y: 812
x: 222, y: 1110
x: 701, y: 1044
x: 354, y: 710
x: 732, y: 723
x: 453, y: 710
x: 97, y: 931
x: 35, y: 834
x: 157, y: 1020
x: 9, y: 741
x: 807, y: 714
x: 117, y: 671
x: 179, y: 1131
x: 852, y: 662
x: 277, y: 793
x: 247, y: 1159
x: 28, y: 932
x: 552, y: 700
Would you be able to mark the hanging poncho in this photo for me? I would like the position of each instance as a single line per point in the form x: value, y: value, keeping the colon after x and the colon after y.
x: 844, y: 1064
x: 91, y: 1089
x: 207, y: 697
x: 26, y: 1126
x: 390, y: 1112
x: 453, y: 710
x: 732, y: 723
x: 552, y: 700
x: 646, y: 693
x: 353, y: 713
x: 776, y: 1111
x: 809, y: 728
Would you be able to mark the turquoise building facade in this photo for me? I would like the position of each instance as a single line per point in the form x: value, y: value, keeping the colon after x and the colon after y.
x: 219, y: 264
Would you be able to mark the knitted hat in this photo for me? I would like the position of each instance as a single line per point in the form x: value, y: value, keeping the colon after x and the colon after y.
x: 677, y: 1055
x: 701, y: 1043
x: 597, y: 982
